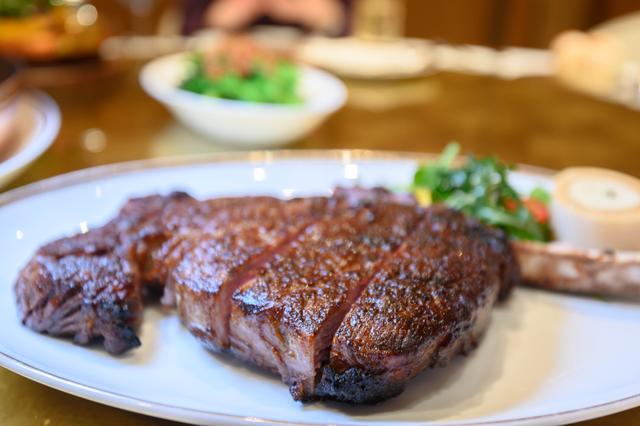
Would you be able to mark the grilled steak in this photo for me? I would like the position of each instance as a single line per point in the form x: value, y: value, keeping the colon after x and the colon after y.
x: 428, y: 302
x: 214, y: 263
x: 287, y: 313
x: 89, y: 286
x: 346, y: 297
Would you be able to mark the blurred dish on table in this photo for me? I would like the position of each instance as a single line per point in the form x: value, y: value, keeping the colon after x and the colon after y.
x: 238, y: 68
x: 598, y: 63
x: 238, y: 93
x: 9, y: 86
x: 57, y: 40
x: 36, y: 124
x: 44, y: 31
x: 590, y: 62
x: 367, y: 58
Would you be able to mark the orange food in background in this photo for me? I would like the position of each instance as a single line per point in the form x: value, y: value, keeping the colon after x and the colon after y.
x: 60, y: 33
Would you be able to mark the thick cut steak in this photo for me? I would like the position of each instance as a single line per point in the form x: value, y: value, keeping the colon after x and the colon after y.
x: 183, y: 222
x: 286, y: 315
x: 346, y: 297
x: 428, y: 302
x: 82, y: 296
x: 214, y: 262
x: 89, y: 286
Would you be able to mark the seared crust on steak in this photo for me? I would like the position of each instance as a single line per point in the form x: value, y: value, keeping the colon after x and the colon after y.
x: 427, y: 303
x: 346, y: 297
x: 220, y: 259
x: 295, y: 302
x: 89, y: 286
x: 86, y: 297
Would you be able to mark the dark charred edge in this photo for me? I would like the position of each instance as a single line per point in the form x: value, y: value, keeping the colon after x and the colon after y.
x: 509, y: 273
x: 499, y: 244
x: 336, y: 386
x: 360, y: 288
x: 356, y: 386
x: 363, y: 200
x: 297, y: 391
x: 115, y: 324
x: 120, y: 340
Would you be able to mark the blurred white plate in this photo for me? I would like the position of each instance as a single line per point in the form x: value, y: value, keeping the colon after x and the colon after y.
x: 546, y: 359
x: 368, y: 59
x: 243, y: 123
x: 36, y: 127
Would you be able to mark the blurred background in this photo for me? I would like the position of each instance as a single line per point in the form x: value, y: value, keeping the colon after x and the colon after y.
x: 494, y: 23
x: 547, y: 82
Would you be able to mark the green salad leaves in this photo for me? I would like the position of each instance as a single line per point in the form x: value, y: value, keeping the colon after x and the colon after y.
x: 14, y: 8
x: 479, y: 187
x: 277, y: 84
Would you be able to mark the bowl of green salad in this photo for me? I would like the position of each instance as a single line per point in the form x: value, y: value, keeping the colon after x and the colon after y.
x: 240, y: 93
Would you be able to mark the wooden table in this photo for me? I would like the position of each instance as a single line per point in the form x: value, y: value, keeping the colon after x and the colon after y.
x: 531, y: 121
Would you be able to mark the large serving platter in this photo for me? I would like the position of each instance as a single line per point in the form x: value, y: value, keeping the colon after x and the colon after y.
x: 546, y: 359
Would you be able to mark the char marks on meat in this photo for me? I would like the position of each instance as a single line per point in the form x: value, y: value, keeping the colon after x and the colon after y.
x: 84, y: 297
x: 287, y: 313
x: 427, y: 303
x: 216, y: 261
x: 89, y: 286
x: 346, y: 297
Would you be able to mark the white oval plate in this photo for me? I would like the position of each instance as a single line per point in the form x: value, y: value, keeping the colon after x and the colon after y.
x: 36, y: 127
x: 546, y: 359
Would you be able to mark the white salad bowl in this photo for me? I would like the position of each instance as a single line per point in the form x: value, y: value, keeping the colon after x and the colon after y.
x: 238, y: 122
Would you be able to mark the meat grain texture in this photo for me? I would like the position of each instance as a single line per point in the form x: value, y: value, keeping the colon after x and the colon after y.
x: 347, y: 297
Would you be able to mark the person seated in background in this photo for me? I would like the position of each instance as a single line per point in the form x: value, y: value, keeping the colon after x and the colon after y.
x: 323, y: 16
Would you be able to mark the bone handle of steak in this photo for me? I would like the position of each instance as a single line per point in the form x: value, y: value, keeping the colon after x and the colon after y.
x: 559, y: 267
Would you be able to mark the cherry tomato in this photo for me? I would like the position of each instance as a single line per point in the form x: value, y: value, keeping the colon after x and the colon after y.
x: 538, y: 210
x: 511, y: 205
